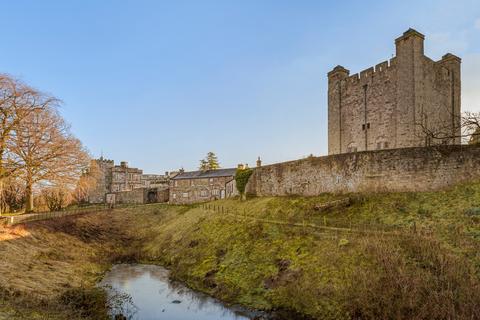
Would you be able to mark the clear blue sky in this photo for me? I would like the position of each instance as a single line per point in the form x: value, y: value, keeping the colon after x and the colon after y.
x: 161, y: 83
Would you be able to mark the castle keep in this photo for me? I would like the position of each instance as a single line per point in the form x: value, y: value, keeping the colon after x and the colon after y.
x: 403, y: 114
x: 408, y: 101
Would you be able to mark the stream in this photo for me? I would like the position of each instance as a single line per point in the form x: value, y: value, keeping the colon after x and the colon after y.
x: 145, y: 292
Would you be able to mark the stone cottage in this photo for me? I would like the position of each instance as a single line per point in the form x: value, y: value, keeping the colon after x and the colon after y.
x: 200, y: 186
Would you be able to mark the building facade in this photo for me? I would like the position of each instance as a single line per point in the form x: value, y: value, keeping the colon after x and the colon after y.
x: 408, y: 101
x: 101, y: 173
x: 125, y: 184
x: 200, y: 186
x: 125, y: 178
x: 155, y: 180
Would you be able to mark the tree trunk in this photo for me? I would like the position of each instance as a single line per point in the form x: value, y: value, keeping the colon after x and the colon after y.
x: 29, y: 197
x: 2, y: 177
x: 2, y: 200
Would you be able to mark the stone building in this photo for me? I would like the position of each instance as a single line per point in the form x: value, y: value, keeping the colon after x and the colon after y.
x: 407, y: 101
x: 111, y: 178
x: 101, y: 172
x: 125, y: 178
x: 155, y: 180
x: 200, y: 186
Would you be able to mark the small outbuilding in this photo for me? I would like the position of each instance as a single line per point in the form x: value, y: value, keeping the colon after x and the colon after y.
x: 203, y: 185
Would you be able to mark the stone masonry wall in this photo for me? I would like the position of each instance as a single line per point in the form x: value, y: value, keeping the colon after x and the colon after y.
x: 186, y: 191
x: 407, y: 169
x: 397, y: 102
x: 135, y: 196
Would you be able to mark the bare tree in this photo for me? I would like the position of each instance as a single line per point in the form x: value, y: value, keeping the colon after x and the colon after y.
x: 17, y: 102
x: 47, y: 152
x: 471, y: 126
x: 440, y: 127
x: 465, y: 128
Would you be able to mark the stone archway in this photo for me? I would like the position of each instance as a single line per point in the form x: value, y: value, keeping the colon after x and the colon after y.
x: 152, y: 196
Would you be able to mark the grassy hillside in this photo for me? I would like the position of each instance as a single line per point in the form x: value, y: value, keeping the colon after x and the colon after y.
x: 388, y: 256
x: 403, y: 255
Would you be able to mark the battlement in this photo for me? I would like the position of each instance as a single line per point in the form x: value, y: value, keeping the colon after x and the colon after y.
x: 402, y: 42
x: 376, y: 108
x: 105, y: 161
x: 379, y: 69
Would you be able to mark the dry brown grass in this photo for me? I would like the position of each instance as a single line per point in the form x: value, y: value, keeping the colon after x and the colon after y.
x: 46, y: 263
x: 43, y: 260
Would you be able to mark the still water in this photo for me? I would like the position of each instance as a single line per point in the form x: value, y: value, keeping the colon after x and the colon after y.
x: 146, y: 293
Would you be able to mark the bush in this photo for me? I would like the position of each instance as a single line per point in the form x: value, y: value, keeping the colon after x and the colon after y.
x: 241, y: 180
x: 55, y: 199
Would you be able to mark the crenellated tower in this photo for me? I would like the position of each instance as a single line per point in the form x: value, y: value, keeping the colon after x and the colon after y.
x: 407, y: 101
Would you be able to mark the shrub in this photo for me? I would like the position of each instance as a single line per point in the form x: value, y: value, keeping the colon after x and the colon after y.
x: 55, y: 199
x: 241, y: 180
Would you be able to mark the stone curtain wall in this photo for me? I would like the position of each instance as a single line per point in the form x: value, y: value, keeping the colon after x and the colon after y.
x: 163, y: 195
x: 135, y: 196
x: 407, y: 169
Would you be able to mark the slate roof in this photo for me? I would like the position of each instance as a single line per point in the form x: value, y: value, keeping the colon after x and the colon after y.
x: 206, y: 174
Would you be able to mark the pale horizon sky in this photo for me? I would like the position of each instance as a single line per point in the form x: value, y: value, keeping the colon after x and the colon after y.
x: 161, y: 83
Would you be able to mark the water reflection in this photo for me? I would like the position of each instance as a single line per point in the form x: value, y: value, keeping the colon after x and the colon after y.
x: 153, y: 296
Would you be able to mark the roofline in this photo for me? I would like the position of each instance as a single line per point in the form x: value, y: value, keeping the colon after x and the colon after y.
x: 178, y: 177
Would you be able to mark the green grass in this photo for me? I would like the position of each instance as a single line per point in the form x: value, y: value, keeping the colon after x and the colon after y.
x: 398, y: 256
x: 426, y: 265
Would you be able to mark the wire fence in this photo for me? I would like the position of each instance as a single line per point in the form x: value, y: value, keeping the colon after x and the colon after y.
x: 325, y: 226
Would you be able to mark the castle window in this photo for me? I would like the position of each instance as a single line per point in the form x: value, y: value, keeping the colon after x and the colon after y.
x: 368, y: 125
x: 385, y: 145
x: 203, y: 193
x: 363, y: 126
x: 379, y: 145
